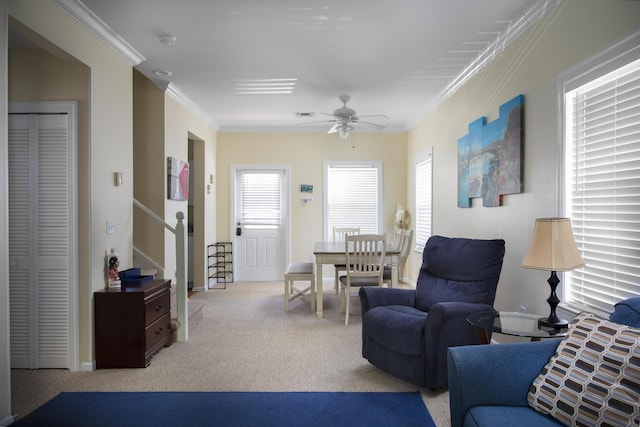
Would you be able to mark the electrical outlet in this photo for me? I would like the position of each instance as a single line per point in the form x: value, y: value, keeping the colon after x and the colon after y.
x: 523, y: 309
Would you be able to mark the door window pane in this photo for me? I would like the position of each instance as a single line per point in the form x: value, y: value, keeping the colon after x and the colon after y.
x: 261, y: 204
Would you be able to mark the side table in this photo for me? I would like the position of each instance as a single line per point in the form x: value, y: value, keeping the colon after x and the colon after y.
x: 511, y: 323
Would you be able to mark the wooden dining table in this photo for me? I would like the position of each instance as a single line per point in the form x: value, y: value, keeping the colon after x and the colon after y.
x: 334, y: 253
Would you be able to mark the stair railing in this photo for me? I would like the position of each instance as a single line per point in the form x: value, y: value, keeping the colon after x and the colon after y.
x: 145, y: 262
x: 180, y: 232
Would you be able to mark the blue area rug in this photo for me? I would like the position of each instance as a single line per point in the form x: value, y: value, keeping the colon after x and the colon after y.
x: 264, y: 409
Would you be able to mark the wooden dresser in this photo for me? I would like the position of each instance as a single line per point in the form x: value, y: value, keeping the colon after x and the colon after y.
x: 132, y: 324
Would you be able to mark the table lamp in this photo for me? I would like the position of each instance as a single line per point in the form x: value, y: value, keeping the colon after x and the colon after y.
x: 552, y: 248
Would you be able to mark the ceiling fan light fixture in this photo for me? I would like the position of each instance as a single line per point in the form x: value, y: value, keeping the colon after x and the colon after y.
x: 344, y: 119
x: 344, y: 131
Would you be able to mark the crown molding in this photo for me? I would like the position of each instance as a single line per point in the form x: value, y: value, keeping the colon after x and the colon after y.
x: 162, y: 84
x: 515, y: 29
x: 496, y: 48
x: 100, y: 29
x: 104, y: 33
x: 187, y: 103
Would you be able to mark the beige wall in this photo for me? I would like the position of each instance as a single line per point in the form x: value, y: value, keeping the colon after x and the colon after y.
x: 110, y: 143
x: 181, y: 126
x: 305, y: 152
x: 110, y: 149
x: 150, y: 166
x: 38, y: 75
x: 571, y: 32
x: 163, y: 128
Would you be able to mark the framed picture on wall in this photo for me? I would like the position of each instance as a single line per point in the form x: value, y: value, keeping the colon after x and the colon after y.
x: 177, y: 179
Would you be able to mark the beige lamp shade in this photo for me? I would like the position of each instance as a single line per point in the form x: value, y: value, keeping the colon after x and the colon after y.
x: 552, y: 247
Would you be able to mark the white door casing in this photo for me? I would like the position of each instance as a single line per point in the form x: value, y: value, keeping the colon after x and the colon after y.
x: 42, y: 243
x: 261, y: 248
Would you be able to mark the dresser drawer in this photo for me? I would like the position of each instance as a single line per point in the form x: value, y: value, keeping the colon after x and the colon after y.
x: 156, y: 308
x: 158, y: 334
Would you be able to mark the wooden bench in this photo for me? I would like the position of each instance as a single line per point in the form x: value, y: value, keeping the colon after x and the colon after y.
x: 299, y: 271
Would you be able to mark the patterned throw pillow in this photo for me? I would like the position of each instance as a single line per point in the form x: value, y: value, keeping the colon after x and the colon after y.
x: 593, y: 379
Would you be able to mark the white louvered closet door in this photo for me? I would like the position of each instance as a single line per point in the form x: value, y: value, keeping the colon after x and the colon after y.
x: 39, y: 245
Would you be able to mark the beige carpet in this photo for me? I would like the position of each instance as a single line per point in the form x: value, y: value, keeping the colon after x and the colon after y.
x: 244, y: 342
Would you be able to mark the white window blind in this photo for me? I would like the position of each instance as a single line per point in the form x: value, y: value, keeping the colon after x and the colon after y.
x: 423, y: 197
x: 602, y: 143
x: 261, y: 204
x: 353, y: 196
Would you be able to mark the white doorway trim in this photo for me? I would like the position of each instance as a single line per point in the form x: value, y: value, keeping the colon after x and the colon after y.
x: 286, y: 238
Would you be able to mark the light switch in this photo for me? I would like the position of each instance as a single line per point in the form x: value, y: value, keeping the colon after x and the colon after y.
x: 111, y: 227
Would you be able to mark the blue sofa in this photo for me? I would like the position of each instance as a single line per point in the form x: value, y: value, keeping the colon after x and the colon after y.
x: 488, y: 384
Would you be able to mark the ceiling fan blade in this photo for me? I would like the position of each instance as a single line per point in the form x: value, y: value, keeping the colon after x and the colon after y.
x: 345, y: 116
x: 373, y: 125
x: 384, y: 116
x: 315, y: 123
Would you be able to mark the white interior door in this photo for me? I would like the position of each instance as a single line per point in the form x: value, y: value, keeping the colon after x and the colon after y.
x: 260, y: 225
x: 40, y: 240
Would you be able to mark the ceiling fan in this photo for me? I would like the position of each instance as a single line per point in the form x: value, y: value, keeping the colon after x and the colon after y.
x: 345, y: 118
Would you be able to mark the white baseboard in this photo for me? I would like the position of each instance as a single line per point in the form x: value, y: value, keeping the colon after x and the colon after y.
x: 88, y: 366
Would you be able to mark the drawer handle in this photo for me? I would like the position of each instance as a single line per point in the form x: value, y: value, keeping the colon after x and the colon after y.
x: 159, y: 307
x: 159, y: 331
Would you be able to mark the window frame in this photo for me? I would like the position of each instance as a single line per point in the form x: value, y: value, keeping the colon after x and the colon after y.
x: 602, y: 63
x: 327, y: 164
x: 425, y: 157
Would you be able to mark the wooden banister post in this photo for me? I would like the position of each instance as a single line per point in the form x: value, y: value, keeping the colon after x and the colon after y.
x: 181, y: 279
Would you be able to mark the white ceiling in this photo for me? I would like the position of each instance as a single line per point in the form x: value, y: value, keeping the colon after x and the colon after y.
x: 392, y: 57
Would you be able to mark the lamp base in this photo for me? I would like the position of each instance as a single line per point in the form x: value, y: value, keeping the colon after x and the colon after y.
x: 552, y: 323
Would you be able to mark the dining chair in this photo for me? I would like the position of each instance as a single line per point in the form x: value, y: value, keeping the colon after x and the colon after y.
x: 339, y: 233
x: 398, y: 234
x: 405, y: 248
x: 365, y: 265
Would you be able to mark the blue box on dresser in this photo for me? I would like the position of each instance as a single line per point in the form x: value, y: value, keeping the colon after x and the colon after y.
x: 132, y: 277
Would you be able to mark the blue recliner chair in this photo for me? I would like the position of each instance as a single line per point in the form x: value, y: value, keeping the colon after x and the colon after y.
x: 407, y: 332
x: 488, y: 384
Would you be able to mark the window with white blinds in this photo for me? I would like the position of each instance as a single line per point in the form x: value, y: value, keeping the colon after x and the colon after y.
x: 602, y: 185
x: 353, y: 196
x: 261, y: 199
x: 423, y: 197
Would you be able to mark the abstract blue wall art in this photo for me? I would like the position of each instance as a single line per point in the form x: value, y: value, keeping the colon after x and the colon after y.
x: 490, y: 162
